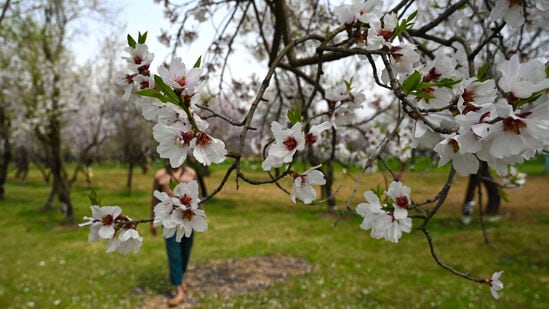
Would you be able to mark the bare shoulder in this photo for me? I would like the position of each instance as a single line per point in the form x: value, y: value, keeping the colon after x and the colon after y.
x: 190, y: 171
x: 161, y: 174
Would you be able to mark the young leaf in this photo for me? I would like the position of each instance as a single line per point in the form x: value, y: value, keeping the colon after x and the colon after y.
x: 424, y: 94
x: 198, y: 62
x: 142, y: 38
x: 482, y: 72
x: 348, y: 84
x: 294, y: 116
x: 447, y: 82
x: 131, y: 41
x: 412, y: 16
x: 291, y: 116
x: 168, y: 91
x: 153, y: 94
x: 172, y: 184
x: 412, y: 82
x: 94, y: 200
x: 378, y: 191
x: 504, y: 195
x: 297, y: 113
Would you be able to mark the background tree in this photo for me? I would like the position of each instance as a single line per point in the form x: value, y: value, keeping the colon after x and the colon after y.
x: 50, y: 91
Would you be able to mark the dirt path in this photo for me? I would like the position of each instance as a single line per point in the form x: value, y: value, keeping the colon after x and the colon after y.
x: 228, y: 278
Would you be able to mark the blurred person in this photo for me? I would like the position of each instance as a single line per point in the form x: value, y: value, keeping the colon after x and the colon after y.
x: 492, y: 188
x: 178, y: 252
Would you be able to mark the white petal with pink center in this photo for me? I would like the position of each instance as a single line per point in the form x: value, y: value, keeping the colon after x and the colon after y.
x: 174, y: 142
x: 102, y: 222
x: 129, y: 241
x: 208, y: 150
x: 496, y: 284
x: 302, y: 186
x: 400, y: 194
x: 177, y: 76
x: 287, y: 142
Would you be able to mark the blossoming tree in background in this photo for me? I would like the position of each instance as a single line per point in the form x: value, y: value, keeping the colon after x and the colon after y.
x: 466, y: 78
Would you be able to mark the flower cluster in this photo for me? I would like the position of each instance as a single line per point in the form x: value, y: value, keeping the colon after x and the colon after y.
x: 179, y: 130
x: 180, y: 215
x: 502, y: 121
x: 287, y: 143
x: 513, y: 179
x: 343, y: 104
x: 389, y: 219
x: 106, y: 223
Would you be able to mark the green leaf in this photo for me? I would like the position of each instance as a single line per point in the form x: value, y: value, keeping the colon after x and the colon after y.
x: 447, y: 82
x: 94, y: 200
x: 291, y: 117
x: 294, y: 116
x: 131, y: 41
x: 424, y: 85
x: 412, y: 82
x: 172, y: 184
x: 424, y: 95
x: 378, y: 191
x: 166, y: 90
x: 547, y: 70
x: 504, y: 195
x: 348, y: 84
x: 482, y: 72
x: 142, y: 38
x: 412, y: 16
x: 401, y: 27
x: 153, y: 94
x: 198, y: 62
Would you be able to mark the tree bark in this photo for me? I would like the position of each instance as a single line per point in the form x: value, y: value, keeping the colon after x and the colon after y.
x: 6, y: 150
x: 130, y: 177
x: 328, y: 192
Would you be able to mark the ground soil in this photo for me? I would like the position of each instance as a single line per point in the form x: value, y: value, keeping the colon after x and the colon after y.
x: 231, y: 277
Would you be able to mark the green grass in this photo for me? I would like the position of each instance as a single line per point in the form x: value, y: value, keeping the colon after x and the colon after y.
x: 49, y: 265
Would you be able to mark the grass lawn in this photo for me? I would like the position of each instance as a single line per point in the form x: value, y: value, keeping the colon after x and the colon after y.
x: 45, y: 264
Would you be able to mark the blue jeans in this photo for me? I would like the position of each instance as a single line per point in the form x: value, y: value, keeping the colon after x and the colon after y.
x: 178, y: 257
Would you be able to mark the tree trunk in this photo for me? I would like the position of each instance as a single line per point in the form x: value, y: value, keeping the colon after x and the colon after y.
x: 130, y: 177
x: 327, y: 188
x: 332, y: 207
x: 61, y: 185
x: 5, y: 148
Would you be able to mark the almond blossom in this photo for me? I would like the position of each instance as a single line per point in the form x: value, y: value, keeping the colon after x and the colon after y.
x: 177, y: 76
x: 449, y: 150
x: 102, y: 222
x: 521, y: 80
x: 400, y: 194
x: 511, y: 11
x: 174, y: 142
x: 208, y: 150
x: 370, y: 211
x: 164, y: 208
x: 140, y: 58
x: 302, y: 186
x: 187, y: 217
x: 495, y: 284
x: 513, y: 179
x: 314, y: 133
x: 379, y: 37
x: 129, y: 240
x: 287, y: 142
x: 383, y: 222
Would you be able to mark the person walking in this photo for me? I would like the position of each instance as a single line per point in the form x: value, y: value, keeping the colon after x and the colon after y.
x: 178, y: 252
